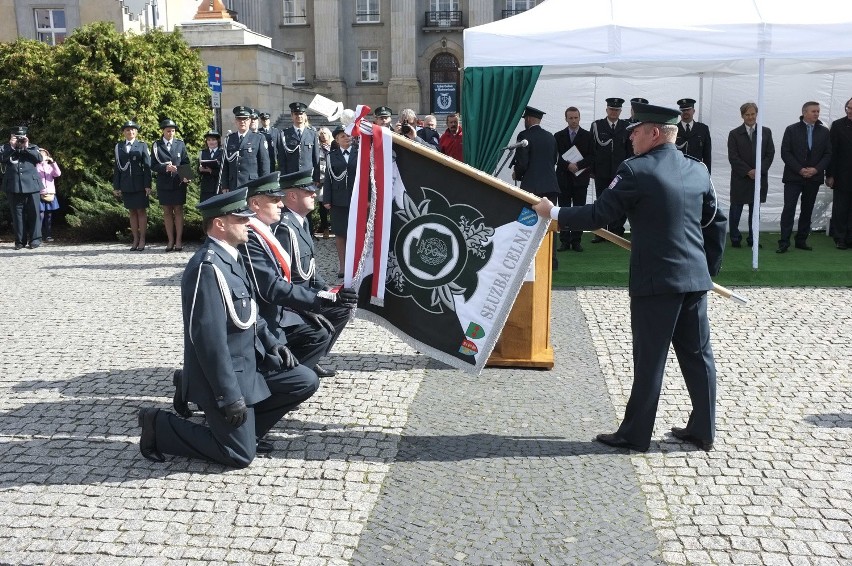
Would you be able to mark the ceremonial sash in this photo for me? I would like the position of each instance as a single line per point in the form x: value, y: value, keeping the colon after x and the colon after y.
x: 272, y: 245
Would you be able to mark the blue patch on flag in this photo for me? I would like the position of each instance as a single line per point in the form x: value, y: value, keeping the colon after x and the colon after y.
x: 528, y: 217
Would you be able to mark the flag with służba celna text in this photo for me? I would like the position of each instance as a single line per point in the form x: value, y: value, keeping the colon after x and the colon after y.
x: 450, y: 249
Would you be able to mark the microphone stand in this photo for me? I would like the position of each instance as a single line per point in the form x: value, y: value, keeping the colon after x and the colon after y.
x: 506, y: 160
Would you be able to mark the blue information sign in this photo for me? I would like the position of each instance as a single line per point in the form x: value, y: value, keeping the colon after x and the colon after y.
x: 214, y: 78
x: 444, y: 98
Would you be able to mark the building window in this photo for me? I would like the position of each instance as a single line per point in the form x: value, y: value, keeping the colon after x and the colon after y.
x: 294, y: 12
x: 370, y: 65
x: 444, y: 5
x: 299, y: 65
x: 517, y: 6
x: 444, y: 13
x: 50, y: 26
x: 367, y: 11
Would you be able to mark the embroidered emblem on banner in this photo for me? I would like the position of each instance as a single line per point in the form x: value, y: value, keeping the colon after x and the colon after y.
x: 527, y: 217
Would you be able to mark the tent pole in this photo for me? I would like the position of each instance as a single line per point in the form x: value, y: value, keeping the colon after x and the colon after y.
x: 758, y: 154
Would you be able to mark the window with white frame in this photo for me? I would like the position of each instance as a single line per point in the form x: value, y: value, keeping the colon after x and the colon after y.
x: 299, y: 65
x: 444, y: 5
x: 370, y: 65
x: 520, y: 5
x: 367, y: 11
x: 295, y: 12
x: 50, y: 25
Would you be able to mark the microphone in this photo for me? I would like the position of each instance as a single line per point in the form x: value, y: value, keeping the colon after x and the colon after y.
x: 522, y: 143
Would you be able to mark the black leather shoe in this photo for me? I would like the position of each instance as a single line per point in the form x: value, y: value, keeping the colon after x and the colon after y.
x: 178, y: 401
x: 782, y: 249
x: 617, y: 442
x: 682, y: 434
x: 841, y: 246
x: 563, y: 248
x: 804, y: 247
x: 322, y: 372
x: 736, y: 245
x: 264, y: 446
x: 577, y: 247
x: 18, y: 246
x: 147, y: 440
x: 597, y: 240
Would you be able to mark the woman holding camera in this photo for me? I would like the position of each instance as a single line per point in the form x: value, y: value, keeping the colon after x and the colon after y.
x: 48, y: 170
x: 131, y: 181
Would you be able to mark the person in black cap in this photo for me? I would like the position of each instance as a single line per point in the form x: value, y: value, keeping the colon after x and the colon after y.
x: 168, y: 154
x: 254, y: 121
x: 210, y: 165
x: 234, y: 369
x: 341, y: 164
x: 246, y: 153
x: 271, y: 133
x: 383, y: 116
x: 297, y: 146
x: 131, y: 181
x: 573, y: 176
x: 293, y: 233
x: 693, y: 138
x: 22, y: 185
x: 534, y: 164
x: 677, y: 245
x: 609, y: 150
x: 630, y: 152
x: 291, y: 313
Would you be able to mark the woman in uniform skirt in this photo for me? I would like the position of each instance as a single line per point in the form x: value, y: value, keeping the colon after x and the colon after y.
x: 169, y: 154
x: 210, y: 165
x: 340, y: 167
x: 131, y: 181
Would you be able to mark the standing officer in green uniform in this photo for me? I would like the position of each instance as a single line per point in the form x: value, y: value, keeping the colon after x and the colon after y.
x: 22, y: 185
x: 246, y: 155
x: 271, y: 133
x: 678, y: 241
x: 240, y: 375
x: 608, y: 151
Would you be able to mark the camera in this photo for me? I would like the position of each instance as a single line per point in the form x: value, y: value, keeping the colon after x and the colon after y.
x: 20, y: 139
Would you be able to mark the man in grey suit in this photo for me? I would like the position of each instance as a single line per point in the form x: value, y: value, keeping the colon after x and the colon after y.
x: 806, y: 152
x: 246, y: 155
x: 742, y: 145
x: 22, y: 184
x: 223, y: 343
x: 677, y: 244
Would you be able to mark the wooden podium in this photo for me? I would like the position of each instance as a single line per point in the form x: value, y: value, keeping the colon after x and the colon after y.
x: 525, y: 340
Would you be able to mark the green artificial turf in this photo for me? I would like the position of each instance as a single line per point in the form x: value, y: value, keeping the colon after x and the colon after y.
x: 606, y: 264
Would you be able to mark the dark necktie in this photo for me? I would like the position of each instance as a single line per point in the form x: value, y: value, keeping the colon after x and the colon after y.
x: 169, y: 147
x: 346, y: 155
x: 688, y: 128
x: 573, y: 133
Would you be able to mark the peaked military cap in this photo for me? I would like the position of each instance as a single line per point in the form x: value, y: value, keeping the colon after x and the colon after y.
x: 264, y: 115
x: 266, y: 185
x: 639, y: 99
x: 298, y: 108
x: 648, y: 113
x: 19, y: 131
x: 338, y: 130
x: 129, y: 124
x: 614, y: 102
x: 254, y: 115
x: 213, y: 134
x: 232, y: 202
x: 533, y: 112
x: 382, y: 111
x: 167, y: 123
x: 686, y: 103
x: 298, y: 180
x: 242, y: 111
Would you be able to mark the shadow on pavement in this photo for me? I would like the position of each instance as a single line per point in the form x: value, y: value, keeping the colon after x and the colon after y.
x: 831, y: 420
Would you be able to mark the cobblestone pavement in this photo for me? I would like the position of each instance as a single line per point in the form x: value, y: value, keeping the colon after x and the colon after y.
x: 398, y: 460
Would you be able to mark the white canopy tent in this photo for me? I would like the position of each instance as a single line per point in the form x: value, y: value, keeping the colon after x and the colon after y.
x: 723, y: 55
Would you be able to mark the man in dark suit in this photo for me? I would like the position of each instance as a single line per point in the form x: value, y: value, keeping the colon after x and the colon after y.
x: 742, y: 143
x: 839, y: 178
x: 297, y: 146
x: 609, y: 150
x: 224, y: 342
x: 290, y: 312
x: 272, y: 134
x: 22, y: 184
x: 693, y: 138
x: 806, y: 152
x: 677, y: 244
x: 534, y: 164
x: 342, y: 163
x: 295, y: 238
x: 246, y: 155
x: 573, y: 176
